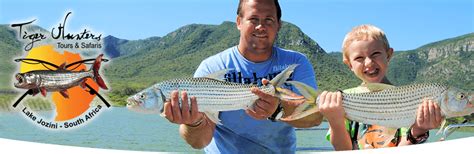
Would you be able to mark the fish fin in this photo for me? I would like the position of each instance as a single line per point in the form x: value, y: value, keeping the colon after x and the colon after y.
x: 308, y: 92
x: 64, y: 93
x: 163, y: 99
x: 219, y: 75
x: 308, y: 106
x: 95, y: 70
x: 283, y: 76
x: 447, y: 133
x: 250, y: 104
x: 83, y: 84
x: 213, y: 116
x: 304, y: 109
x: 34, y: 92
x: 286, y: 94
x: 443, y: 125
x: 62, y: 66
x: 374, y: 87
x: 43, y: 91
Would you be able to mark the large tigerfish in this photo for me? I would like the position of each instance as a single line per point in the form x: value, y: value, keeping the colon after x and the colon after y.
x: 391, y: 106
x: 42, y: 81
x: 212, y: 94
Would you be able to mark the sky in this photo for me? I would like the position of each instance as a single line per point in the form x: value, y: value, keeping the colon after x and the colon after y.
x: 408, y: 24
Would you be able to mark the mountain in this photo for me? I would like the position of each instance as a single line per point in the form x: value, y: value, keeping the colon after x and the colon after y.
x: 115, y: 47
x: 449, y: 61
x: 111, y: 48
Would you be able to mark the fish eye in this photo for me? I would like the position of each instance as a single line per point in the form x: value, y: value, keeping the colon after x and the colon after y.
x: 461, y: 96
x: 20, y: 79
x: 142, y: 96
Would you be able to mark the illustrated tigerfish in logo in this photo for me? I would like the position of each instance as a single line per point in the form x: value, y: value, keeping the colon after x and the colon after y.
x: 42, y: 81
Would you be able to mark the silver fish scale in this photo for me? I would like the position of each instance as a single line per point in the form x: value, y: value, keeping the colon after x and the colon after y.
x: 62, y: 80
x: 212, y: 94
x: 394, y: 107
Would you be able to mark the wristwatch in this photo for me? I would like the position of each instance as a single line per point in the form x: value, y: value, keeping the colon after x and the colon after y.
x: 419, y: 139
x: 276, y: 113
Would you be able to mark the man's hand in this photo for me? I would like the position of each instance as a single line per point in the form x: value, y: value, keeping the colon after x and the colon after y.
x: 185, y: 114
x: 264, y: 106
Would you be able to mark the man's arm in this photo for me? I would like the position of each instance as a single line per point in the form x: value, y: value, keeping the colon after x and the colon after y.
x: 198, y: 136
x: 195, y: 128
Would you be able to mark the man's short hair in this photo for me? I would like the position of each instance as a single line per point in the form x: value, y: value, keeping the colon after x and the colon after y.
x: 276, y: 4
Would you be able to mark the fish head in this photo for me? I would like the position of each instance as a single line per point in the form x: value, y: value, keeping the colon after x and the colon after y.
x: 458, y: 103
x: 26, y: 80
x: 148, y: 101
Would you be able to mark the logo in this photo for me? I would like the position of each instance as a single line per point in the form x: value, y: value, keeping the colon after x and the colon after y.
x: 54, y: 69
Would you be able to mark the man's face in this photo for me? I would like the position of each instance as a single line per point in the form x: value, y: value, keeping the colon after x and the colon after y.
x: 368, y: 59
x: 258, y: 25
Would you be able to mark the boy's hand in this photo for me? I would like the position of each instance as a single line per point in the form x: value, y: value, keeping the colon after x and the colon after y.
x: 428, y: 117
x: 330, y: 105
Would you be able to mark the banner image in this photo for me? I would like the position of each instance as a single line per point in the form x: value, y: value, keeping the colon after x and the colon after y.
x: 242, y: 76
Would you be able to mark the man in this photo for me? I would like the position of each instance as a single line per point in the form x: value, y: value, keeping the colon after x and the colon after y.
x: 252, y: 59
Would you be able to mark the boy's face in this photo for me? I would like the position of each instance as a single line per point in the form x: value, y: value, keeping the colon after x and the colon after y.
x: 368, y: 59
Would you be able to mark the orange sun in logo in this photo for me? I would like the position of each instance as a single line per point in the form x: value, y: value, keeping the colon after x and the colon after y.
x: 79, y: 99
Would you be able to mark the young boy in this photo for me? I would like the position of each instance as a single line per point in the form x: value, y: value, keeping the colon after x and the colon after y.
x: 367, y: 53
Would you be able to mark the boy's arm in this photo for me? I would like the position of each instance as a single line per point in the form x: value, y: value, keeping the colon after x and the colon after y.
x: 340, y: 138
x: 330, y: 105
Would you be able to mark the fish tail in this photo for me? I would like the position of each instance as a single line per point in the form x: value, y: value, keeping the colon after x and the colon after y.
x: 306, y: 107
x: 95, y: 70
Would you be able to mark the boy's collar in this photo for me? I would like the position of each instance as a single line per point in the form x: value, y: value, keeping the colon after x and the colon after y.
x: 384, y: 81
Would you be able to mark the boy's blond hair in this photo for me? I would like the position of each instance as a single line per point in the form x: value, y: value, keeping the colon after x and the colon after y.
x: 360, y: 33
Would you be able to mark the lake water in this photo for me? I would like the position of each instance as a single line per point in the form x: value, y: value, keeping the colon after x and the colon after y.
x: 118, y: 128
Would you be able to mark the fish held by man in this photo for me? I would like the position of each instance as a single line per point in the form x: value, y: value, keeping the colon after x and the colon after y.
x: 390, y: 106
x: 212, y: 93
x: 42, y: 81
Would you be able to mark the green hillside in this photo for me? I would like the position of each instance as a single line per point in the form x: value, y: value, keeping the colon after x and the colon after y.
x: 9, y: 47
